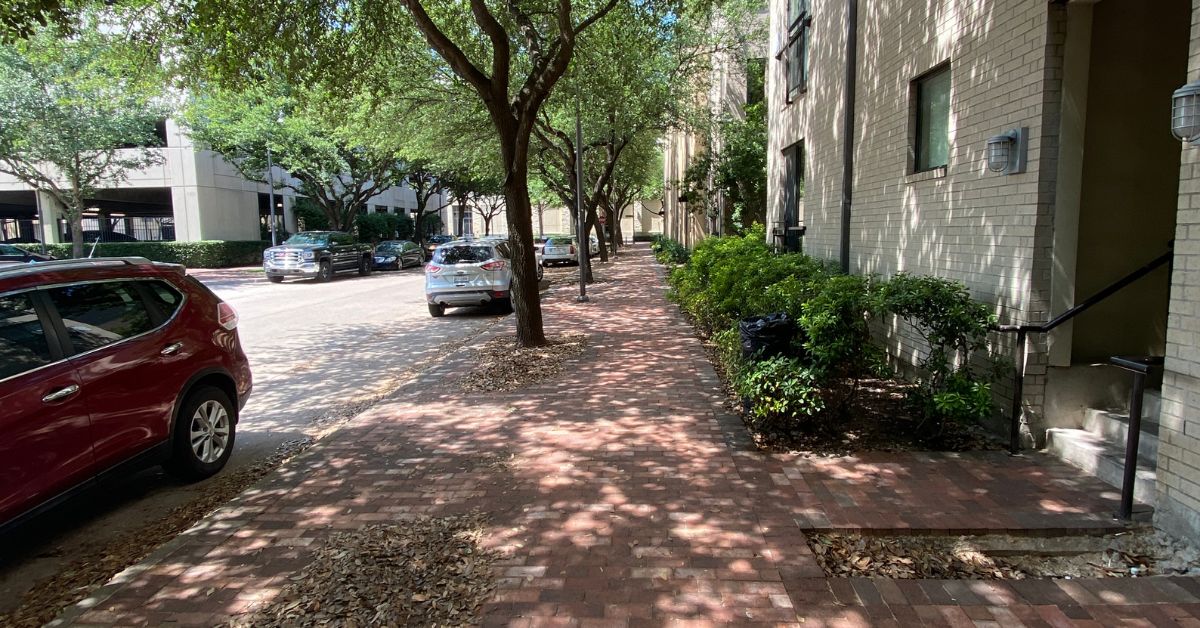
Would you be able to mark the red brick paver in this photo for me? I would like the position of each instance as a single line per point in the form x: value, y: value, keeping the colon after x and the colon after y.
x: 622, y: 494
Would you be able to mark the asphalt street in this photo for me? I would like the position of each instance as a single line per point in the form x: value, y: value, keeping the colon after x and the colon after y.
x: 318, y: 352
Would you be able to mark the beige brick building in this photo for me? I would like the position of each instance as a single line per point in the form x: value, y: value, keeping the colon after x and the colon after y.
x: 880, y: 149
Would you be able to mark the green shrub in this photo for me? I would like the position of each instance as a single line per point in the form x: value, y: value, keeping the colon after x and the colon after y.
x: 731, y: 278
x: 309, y: 215
x: 668, y: 251
x: 382, y: 226
x: 952, y: 386
x: 203, y: 254
x: 728, y: 344
x: 780, y: 393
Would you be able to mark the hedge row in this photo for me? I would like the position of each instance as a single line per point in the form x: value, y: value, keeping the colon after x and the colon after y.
x: 726, y: 280
x: 203, y: 254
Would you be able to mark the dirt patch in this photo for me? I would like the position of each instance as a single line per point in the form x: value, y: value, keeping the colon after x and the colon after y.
x: 1142, y: 552
x: 428, y: 572
x: 503, y: 366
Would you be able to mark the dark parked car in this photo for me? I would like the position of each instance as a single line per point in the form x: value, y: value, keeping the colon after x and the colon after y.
x: 432, y: 242
x: 397, y: 254
x: 111, y: 364
x: 317, y: 254
x: 10, y: 253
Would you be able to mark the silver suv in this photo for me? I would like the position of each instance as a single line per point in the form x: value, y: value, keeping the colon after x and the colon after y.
x: 469, y: 272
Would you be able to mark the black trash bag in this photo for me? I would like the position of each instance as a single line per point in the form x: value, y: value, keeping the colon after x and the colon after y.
x: 766, y: 336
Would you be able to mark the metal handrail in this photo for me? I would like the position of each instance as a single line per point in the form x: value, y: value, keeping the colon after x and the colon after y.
x: 1140, y: 366
x: 1023, y: 331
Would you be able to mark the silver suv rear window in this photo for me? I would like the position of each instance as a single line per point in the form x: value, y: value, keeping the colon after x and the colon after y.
x: 462, y: 254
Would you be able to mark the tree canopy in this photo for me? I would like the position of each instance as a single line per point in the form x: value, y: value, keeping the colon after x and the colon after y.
x: 69, y: 109
x: 319, y: 156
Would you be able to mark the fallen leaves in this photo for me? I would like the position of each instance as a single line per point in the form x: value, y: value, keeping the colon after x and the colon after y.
x: 427, y: 572
x: 76, y: 580
x: 986, y: 557
x: 503, y: 366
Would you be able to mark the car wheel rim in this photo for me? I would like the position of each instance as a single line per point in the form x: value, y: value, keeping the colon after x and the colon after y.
x: 210, y: 431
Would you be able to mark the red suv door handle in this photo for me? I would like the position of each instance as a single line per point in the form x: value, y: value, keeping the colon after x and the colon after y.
x: 61, y: 393
x: 171, y: 349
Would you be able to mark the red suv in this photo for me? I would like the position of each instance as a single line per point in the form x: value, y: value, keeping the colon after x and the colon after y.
x: 107, y: 365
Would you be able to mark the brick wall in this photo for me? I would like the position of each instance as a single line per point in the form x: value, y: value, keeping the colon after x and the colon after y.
x: 990, y: 231
x: 1179, y: 433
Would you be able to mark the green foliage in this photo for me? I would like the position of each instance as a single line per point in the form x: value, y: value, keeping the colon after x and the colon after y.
x: 740, y: 168
x: 309, y: 215
x: 727, y: 279
x: 319, y: 149
x: 203, y: 254
x: 431, y: 224
x: 668, y: 251
x: 952, y: 386
x: 780, y: 392
x: 736, y: 277
x: 379, y: 226
x: 68, y: 109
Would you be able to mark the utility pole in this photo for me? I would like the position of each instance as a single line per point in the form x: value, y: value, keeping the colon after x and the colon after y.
x: 581, y: 220
x: 271, y: 195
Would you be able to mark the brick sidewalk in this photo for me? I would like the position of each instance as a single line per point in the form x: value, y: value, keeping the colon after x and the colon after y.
x: 630, y: 497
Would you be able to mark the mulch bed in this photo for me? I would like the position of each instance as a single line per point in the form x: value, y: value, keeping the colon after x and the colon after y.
x: 503, y: 366
x: 427, y: 572
x: 995, y: 557
x: 879, y: 420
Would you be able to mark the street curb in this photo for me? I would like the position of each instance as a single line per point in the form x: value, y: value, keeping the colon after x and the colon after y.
x: 69, y: 614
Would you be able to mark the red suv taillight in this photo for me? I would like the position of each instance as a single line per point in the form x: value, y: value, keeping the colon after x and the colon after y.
x: 496, y: 265
x: 227, y: 317
x: 430, y: 268
x: 572, y: 249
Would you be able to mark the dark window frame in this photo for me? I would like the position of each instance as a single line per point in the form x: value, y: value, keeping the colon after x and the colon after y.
x: 795, y: 49
x: 52, y: 346
x: 917, y: 92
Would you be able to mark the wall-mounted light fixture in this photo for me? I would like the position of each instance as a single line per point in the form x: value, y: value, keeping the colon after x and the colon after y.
x: 1185, y: 113
x: 1006, y: 152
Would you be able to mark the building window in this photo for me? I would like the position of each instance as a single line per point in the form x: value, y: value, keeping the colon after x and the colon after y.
x: 795, y: 53
x: 931, y: 126
x: 381, y: 209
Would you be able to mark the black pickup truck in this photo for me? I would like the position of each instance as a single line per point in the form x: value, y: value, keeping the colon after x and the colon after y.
x: 317, y: 254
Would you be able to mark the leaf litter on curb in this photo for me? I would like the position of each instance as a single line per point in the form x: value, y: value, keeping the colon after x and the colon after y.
x: 425, y: 572
x: 93, y: 568
x: 503, y: 366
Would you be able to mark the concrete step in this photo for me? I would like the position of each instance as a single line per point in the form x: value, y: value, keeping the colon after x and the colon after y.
x: 1114, y: 428
x: 1100, y: 458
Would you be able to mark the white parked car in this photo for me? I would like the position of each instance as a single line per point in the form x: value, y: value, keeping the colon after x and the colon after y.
x: 470, y: 272
x: 560, y: 250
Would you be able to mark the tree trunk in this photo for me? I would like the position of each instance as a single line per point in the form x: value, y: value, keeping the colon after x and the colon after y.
x: 525, y: 297
x: 593, y: 223
x: 75, y: 218
x: 614, y: 229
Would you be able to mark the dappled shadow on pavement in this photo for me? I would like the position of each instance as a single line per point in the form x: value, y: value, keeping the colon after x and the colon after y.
x: 621, y: 493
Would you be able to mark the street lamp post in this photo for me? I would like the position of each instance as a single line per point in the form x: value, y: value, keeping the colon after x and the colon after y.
x: 271, y: 195
x: 580, y: 219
